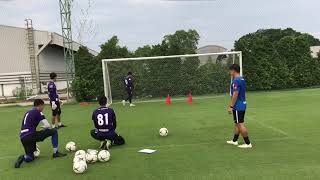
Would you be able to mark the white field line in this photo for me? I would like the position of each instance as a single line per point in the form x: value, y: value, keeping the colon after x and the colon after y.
x: 270, y: 127
x: 214, y: 141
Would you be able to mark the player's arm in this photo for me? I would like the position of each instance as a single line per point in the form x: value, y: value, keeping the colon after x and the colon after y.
x: 234, y: 97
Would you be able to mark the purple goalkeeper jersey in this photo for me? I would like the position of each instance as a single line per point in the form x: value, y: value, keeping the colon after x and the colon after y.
x: 104, y: 120
x: 128, y: 81
x: 30, y: 121
x: 52, y: 92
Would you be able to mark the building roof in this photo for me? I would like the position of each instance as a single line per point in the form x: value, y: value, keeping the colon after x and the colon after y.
x: 42, y: 37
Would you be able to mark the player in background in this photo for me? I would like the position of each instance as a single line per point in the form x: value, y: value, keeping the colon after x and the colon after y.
x: 129, y: 87
x: 29, y: 136
x: 238, y: 106
x: 104, y: 120
x: 55, y: 102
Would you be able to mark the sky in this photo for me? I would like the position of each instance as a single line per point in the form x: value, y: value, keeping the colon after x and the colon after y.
x: 145, y: 22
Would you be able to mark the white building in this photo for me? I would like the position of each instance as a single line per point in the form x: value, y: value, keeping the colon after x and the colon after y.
x: 15, y: 66
x: 210, y: 49
x: 315, y: 51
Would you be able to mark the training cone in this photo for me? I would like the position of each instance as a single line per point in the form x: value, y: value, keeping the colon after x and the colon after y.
x: 168, y: 102
x: 190, y: 98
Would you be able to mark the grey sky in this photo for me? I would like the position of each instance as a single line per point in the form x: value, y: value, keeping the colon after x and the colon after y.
x: 141, y: 22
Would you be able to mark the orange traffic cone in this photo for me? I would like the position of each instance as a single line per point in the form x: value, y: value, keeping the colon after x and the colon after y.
x: 168, y: 102
x: 190, y: 98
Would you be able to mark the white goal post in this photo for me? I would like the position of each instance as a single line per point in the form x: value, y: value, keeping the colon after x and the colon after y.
x: 168, y: 71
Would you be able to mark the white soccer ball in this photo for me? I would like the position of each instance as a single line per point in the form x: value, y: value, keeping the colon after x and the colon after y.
x: 80, y: 167
x: 104, y: 156
x: 91, y: 158
x: 78, y: 158
x: 92, y: 151
x: 80, y: 153
x: 71, y: 146
x: 36, y: 153
x: 163, y: 132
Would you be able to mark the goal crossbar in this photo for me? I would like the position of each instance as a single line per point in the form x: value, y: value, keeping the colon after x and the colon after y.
x: 172, y: 56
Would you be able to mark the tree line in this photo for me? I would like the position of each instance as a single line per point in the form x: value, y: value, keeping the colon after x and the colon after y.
x: 272, y: 59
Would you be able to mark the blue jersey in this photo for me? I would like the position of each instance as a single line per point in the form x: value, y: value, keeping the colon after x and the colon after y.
x: 239, y: 85
x: 30, y: 121
x: 52, y: 92
x: 104, y: 120
x: 128, y: 82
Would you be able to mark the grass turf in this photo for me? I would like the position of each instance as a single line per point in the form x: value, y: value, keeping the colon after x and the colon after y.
x: 283, y: 127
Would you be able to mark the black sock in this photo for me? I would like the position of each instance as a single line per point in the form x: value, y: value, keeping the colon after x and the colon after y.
x: 235, y: 137
x: 246, y: 140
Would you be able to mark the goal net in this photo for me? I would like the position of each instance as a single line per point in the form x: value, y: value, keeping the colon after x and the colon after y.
x: 157, y: 77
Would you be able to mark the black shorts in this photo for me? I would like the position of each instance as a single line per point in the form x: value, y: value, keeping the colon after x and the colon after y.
x: 112, y: 136
x: 57, y: 111
x: 29, y: 142
x: 238, y: 116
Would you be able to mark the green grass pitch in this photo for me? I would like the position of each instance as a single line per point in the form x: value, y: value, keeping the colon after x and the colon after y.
x: 283, y: 127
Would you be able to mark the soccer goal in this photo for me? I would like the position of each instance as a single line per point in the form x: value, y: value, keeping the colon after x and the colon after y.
x: 157, y: 77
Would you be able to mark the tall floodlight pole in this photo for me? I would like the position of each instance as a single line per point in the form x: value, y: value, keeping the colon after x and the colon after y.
x: 65, y: 13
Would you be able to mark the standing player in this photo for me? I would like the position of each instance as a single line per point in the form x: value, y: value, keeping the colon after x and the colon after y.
x: 238, y: 107
x: 29, y: 136
x: 129, y: 87
x: 105, y: 123
x: 54, y: 101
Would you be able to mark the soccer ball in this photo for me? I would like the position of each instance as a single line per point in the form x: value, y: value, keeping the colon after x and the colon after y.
x: 71, y: 146
x: 92, y: 151
x: 104, y: 156
x: 81, y: 154
x: 91, y: 157
x: 78, y: 158
x: 163, y: 132
x: 80, y: 167
x: 36, y: 153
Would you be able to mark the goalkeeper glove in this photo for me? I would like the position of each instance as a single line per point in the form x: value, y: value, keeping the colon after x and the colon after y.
x: 53, y: 105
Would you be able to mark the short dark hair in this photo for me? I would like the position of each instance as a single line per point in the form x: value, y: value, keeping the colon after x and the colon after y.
x: 103, y: 100
x: 38, y: 102
x: 235, y: 67
x: 129, y: 73
x: 53, y: 75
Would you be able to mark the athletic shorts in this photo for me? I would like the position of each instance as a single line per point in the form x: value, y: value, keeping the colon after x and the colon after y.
x: 103, y: 136
x: 57, y: 111
x: 112, y: 136
x: 238, y: 116
x: 29, y: 141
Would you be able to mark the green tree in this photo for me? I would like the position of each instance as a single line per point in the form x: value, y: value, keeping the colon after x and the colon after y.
x: 276, y: 59
x: 84, y: 81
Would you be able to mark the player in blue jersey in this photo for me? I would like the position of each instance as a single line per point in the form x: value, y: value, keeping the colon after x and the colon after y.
x: 129, y: 87
x: 29, y: 136
x: 55, y: 101
x: 238, y: 106
x: 104, y: 120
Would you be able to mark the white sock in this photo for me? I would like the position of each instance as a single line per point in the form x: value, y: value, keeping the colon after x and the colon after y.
x: 55, y: 150
x: 53, y: 125
x: 60, y: 123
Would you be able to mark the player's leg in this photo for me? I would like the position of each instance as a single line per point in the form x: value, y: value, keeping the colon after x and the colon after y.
x: 29, y: 145
x: 130, y: 95
x: 94, y: 135
x: 234, y: 141
x: 243, y: 130
x: 54, y: 118
x: 53, y: 133
x: 58, y: 116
